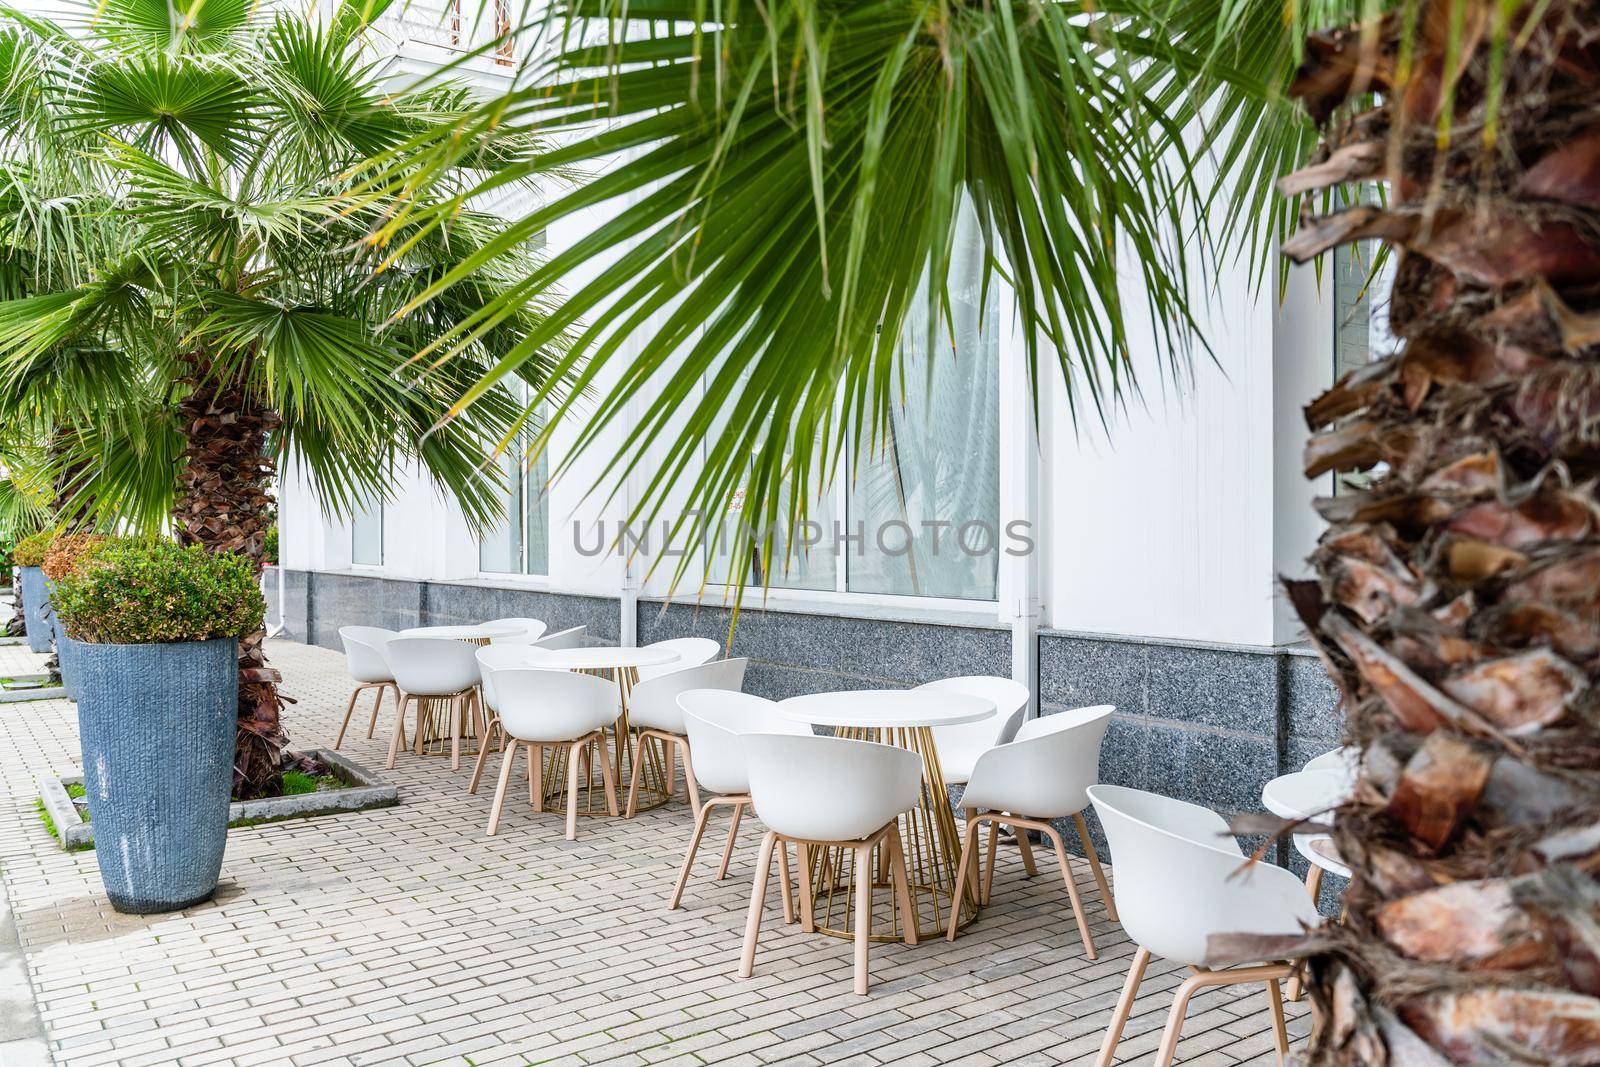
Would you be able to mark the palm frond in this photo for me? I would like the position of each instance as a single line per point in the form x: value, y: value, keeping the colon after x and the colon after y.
x: 790, y: 174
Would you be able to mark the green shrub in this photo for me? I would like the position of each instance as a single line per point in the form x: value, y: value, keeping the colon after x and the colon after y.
x: 31, y: 550
x: 269, y: 546
x: 136, y: 591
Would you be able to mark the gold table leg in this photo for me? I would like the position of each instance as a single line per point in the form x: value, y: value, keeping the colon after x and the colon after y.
x: 433, y: 718
x: 626, y: 747
x: 932, y: 846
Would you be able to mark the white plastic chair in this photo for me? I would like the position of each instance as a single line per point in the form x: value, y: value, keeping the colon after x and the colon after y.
x: 960, y: 746
x: 831, y: 792
x: 571, y: 637
x: 715, y: 719
x: 1182, y: 878
x: 558, y: 709
x: 497, y: 656
x: 1040, y: 776
x: 692, y: 651
x: 532, y: 630
x: 364, y: 658
x: 434, y: 668
x: 653, y: 711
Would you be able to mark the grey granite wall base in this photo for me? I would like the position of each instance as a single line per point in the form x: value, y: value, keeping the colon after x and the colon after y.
x: 1206, y: 723
x: 318, y: 603
x: 794, y: 653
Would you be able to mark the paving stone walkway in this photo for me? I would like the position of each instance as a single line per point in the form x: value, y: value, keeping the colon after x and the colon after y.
x: 405, y: 936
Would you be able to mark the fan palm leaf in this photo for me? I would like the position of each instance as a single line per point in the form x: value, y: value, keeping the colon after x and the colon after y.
x: 775, y: 183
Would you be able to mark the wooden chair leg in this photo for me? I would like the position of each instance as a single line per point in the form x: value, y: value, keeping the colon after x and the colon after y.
x: 608, y: 773
x: 966, y: 865
x: 1072, y: 892
x: 500, y: 789
x: 535, y: 771
x: 1180, y: 1007
x: 987, y: 885
x: 482, y: 761
x: 573, y: 763
x: 1025, y: 847
x: 902, y: 886
x: 785, y: 887
x: 1280, y: 1032
x: 808, y: 904
x: 1119, y: 1015
x: 1297, y: 978
x: 758, y: 901
x: 701, y: 817
x: 671, y: 767
x: 727, y: 849
x: 633, y: 777
x: 689, y: 784
x: 399, y: 726
x: 348, y: 708
x: 1094, y: 865
x: 863, y: 889
x: 372, y: 723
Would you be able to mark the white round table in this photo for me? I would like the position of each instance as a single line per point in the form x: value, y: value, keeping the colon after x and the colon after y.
x: 656, y: 771
x: 1306, y: 795
x: 887, y: 708
x: 476, y: 633
x: 603, y: 658
x: 906, y: 718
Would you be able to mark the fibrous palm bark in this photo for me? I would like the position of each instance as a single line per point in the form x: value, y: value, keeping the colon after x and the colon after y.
x: 224, y: 504
x: 1457, y: 604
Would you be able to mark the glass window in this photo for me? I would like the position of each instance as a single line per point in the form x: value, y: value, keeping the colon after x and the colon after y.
x: 520, y: 544
x: 366, y: 536
x: 927, y: 502
x: 1360, y: 321
x: 921, y: 512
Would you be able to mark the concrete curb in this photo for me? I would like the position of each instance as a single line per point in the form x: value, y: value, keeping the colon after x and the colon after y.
x: 366, y: 791
x: 12, y: 696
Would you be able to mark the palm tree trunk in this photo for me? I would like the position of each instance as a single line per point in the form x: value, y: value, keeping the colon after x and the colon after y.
x: 1457, y: 603
x: 224, y: 504
x: 17, y: 625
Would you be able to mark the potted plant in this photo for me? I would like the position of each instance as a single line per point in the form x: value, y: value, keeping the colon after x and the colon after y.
x: 65, y: 555
x: 33, y: 588
x: 152, y: 633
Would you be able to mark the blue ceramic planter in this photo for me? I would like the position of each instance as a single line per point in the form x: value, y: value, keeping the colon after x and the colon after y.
x: 36, y: 607
x: 63, y: 660
x: 156, y: 724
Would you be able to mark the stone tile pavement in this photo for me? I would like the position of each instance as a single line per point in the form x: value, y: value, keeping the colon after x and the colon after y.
x: 405, y: 936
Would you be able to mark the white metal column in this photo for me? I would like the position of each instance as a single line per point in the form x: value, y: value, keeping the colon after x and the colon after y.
x: 1020, y: 602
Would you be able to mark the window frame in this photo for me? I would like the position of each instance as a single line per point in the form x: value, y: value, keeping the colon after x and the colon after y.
x: 540, y: 579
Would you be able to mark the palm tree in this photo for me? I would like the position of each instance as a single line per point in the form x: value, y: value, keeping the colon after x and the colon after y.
x: 1455, y: 604
x: 214, y: 304
x: 794, y: 168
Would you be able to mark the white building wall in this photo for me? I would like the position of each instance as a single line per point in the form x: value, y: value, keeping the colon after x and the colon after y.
x: 1163, y: 523
x: 1171, y: 522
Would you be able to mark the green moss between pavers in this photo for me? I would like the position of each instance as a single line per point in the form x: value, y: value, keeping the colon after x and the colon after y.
x: 73, y: 791
x: 321, y: 780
